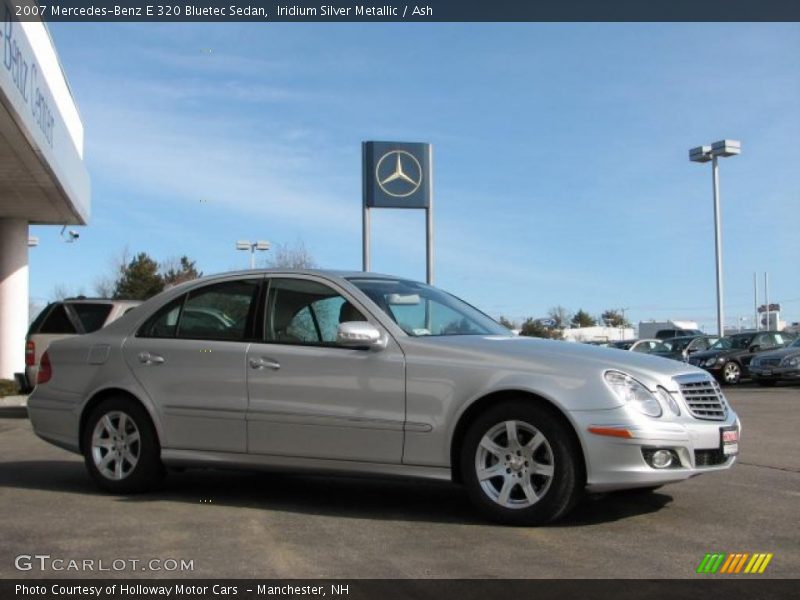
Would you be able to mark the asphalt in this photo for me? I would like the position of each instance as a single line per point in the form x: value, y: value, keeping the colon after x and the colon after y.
x: 234, y: 524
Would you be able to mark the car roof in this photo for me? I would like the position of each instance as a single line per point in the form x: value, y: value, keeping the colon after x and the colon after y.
x: 330, y: 273
x: 79, y: 299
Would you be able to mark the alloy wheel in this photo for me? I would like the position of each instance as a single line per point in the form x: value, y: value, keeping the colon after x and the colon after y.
x: 514, y: 464
x: 731, y: 372
x: 116, y: 445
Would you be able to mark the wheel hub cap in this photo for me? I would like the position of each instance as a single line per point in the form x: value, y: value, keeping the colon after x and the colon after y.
x: 514, y: 464
x: 116, y: 445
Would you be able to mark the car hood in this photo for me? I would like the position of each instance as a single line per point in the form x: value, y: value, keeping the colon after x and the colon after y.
x: 780, y: 353
x: 563, y: 356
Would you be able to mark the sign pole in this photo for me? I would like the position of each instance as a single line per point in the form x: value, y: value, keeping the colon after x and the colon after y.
x: 365, y: 224
x: 365, y: 264
x: 429, y: 223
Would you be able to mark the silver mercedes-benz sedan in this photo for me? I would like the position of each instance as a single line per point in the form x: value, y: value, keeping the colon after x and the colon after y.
x: 358, y: 373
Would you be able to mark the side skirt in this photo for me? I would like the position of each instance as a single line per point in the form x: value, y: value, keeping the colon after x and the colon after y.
x: 230, y: 460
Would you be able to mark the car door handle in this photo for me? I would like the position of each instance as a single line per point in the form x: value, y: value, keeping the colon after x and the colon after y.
x: 264, y: 363
x: 150, y: 359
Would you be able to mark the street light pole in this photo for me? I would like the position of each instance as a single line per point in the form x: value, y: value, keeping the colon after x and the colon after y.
x: 702, y: 154
x: 252, y: 247
x: 718, y: 248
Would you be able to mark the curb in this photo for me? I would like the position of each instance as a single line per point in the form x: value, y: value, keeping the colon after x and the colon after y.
x: 13, y: 401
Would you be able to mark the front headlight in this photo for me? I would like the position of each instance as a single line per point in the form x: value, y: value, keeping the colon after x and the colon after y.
x: 630, y: 391
x: 791, y: 361
x: 669, y: 400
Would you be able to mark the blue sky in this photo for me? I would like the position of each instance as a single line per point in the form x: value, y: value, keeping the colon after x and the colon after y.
x: 560, y: 150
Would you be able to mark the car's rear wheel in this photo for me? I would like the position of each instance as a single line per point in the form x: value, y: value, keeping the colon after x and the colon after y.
x: 121, y: 449
x: 521, y: 464
x: 731, y: 373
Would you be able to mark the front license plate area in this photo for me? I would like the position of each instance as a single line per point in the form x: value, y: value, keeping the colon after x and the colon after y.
x: 729, y: 440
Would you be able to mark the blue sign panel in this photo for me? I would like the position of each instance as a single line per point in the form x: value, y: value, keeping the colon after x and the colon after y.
x: 397, y: 175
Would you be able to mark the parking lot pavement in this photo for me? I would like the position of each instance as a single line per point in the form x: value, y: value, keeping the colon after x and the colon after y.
x: 235, y: 524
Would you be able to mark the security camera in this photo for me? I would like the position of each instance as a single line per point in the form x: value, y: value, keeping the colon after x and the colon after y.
x: 70, y: 236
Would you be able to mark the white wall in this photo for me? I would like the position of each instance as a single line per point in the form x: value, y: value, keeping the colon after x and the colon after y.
x: 13, y: 295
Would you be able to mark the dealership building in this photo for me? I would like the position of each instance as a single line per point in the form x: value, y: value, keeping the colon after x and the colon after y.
x: 43, y: 179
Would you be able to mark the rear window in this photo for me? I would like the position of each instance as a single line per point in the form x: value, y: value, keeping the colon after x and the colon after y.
x: 57, y: 321
x: 37, y: 322
x: 93, y: 316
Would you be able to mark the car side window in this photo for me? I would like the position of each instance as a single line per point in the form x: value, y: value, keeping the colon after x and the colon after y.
x: 300, y: 311
x: 92, y: 315
x: 164, y: 323
x: 58, y: 322
x: 221, y: 311
x: 764, y: 341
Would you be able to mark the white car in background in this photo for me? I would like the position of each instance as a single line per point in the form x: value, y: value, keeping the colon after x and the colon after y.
x: 62, y: 319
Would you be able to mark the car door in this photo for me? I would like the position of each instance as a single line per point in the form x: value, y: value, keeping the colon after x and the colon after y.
x: 311, y: 398
x: 190, y: 359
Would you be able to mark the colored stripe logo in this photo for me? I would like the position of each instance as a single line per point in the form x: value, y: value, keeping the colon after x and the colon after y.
x: 737, y: 562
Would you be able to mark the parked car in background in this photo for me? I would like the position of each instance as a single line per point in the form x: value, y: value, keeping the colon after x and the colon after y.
x: 359, y: 373
x: 729, y: 359
x: 768, y: 368
x: 683, y: 347
x: 667, y: 334
x: 656, y: 347
x: 62, y: 319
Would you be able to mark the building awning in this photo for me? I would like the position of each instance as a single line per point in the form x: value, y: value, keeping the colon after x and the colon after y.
x: 42, y: 175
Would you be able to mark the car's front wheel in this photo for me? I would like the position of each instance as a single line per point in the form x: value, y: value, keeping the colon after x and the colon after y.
x: 120, y: 447
x: 521, y: 464
x: 731, y: 373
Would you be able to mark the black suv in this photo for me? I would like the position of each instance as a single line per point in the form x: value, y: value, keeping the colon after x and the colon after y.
x: 729, y: 358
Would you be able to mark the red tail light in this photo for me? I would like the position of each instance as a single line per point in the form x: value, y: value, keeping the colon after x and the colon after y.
x: 45, y: 370
x: 30, y: 354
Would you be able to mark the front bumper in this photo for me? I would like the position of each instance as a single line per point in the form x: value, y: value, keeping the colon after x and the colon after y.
x: 615, y: 463
x: 776, y: 373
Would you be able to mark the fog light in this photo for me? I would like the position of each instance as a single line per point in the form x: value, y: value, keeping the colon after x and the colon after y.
x: 661, y: 459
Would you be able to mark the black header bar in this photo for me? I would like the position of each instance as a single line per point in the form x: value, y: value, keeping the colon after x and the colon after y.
x: 408, y: 12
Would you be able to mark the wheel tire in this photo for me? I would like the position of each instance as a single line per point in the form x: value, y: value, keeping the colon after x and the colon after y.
x: 766, y: 382
x: 100, y: 440
x: 731, y: 373
x: 555, y: 495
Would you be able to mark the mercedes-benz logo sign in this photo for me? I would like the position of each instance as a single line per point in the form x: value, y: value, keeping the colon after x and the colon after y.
x: 398, y: 173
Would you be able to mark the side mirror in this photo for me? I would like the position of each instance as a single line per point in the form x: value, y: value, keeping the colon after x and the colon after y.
x: 360, y: 334
x: 692, y: 350
x: 755, y: 348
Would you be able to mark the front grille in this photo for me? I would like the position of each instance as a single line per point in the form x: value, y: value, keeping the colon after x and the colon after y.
x: 704, y: 399
x: 769, y: 362
x: 709, y: 458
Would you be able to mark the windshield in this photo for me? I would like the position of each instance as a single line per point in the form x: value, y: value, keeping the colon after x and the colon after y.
x: 679, y: 344
x: 422, y: 310
x: 734, y: 342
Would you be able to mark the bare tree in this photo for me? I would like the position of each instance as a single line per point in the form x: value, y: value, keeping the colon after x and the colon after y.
x: 105, y: 284
x: 296, y: 256
x: 560, y: 316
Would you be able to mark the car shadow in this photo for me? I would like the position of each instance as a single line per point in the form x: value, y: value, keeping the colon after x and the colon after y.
x: 346, y: 497
x: 13, y: 412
